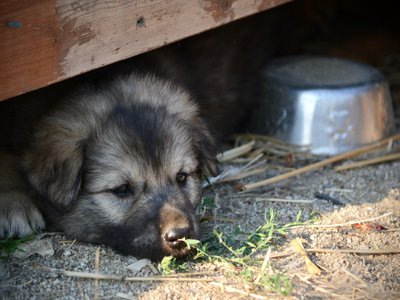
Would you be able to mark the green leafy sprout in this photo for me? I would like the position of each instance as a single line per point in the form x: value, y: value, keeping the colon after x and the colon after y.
x: 240, y: 252
x: 11, y: 245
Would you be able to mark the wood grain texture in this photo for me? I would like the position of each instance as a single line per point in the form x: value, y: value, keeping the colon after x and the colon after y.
x: 46, y: 41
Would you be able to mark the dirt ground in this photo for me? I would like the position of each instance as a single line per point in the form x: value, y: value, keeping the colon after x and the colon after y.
x: 366, y: 222
x: 370, y: 192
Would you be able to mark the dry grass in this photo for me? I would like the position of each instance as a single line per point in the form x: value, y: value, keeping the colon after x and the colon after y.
x: 256, y: 150
x: 264, y: 155
x: 329, y: 161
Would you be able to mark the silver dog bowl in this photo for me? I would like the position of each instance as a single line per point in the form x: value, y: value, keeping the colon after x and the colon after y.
x: 331, y: 105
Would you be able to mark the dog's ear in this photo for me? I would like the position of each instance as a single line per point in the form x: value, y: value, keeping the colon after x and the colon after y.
x: 53, y: 164
x: 205, y: 147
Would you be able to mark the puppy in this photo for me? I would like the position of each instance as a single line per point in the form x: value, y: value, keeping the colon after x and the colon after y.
x: 119, y: 165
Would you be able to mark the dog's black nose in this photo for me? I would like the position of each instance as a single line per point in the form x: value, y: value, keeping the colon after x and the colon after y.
x: 174, y: 237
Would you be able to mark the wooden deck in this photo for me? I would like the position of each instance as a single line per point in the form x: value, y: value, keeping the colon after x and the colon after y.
x: 46, y: 41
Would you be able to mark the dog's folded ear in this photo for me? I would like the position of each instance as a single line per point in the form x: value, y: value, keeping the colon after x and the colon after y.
x: 53, y: 164
x: 205, y: 147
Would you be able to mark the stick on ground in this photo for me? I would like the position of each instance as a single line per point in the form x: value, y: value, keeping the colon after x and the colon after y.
x: 235, y: 152
x: 342, y: 224
x: 323, y: 163
x: 367, y: 162
x: 297, y: 246
x: 356, y: 251
x: 98, y: 276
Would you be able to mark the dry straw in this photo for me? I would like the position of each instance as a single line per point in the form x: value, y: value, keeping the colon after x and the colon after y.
x: 323, y: 163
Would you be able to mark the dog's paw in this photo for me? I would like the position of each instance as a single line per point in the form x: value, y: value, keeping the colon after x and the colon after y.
x: 18, y: 215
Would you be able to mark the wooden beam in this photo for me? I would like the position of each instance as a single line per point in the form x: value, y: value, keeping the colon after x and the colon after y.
x: 46, y: 41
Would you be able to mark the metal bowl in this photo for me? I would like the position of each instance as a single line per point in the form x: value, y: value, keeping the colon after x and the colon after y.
x: 331, y: 105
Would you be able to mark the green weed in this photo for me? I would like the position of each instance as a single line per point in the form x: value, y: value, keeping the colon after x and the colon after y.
x: 11, y: 245
x: 239, y: 250
x: 170, y: 264
x: 206, y: 204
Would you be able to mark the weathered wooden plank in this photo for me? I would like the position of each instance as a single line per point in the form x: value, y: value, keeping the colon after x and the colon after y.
x: 45, y: 41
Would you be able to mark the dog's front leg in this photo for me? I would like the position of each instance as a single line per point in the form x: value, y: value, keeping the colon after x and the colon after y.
x: 18, y: 214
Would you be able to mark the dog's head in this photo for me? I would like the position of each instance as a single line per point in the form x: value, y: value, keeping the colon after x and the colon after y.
x: 123, y: 166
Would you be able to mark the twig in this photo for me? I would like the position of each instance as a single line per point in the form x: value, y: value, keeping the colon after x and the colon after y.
x: 392, y: 229
x: 249, y: 169
x: 297, y: 246
x: 355, y: 251
x: 342, y: 224
x: 231, y: 289
x: 125, y: 296
x: 321, y: 164
x: 244, y: 174
x: 188, y: 274
x: 368, y: 162
x: 99, y: 276
x: 281, y: 254
x: 235, y: 152
x: 276, y: 142
x: 268, y: 199
x: 250, y: 164
x: 263, y: 266
x: 338, y: 190
x: 214, y: 210
x: 284, y: 200
x: 153, y: 269
x: 96, y: 269
x: 234, y: 173
x: 18, y: 286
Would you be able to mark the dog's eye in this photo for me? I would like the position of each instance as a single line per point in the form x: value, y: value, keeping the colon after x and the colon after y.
x: 181, y: 177
x: 122, y: 191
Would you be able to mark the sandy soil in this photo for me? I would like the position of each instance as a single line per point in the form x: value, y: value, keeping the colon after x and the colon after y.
x: 370, y: 192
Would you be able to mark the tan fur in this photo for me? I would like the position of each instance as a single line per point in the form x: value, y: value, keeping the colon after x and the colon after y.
x: 103, y: 165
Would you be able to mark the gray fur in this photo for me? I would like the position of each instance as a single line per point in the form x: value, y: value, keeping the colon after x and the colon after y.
x: 136, y: 129
x: 138, y: 132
